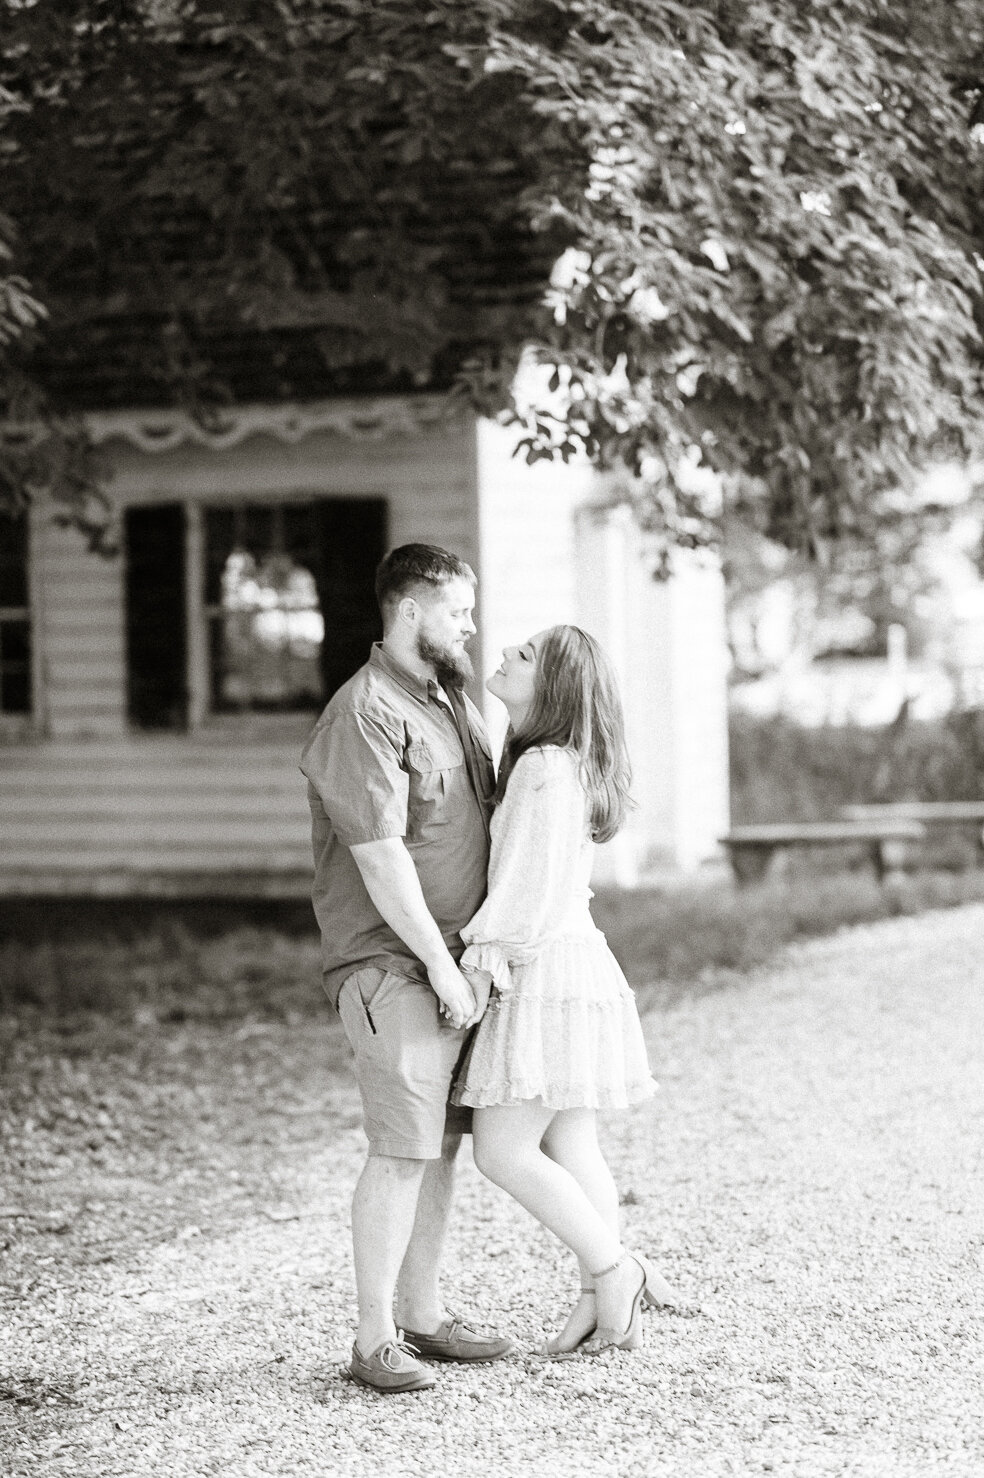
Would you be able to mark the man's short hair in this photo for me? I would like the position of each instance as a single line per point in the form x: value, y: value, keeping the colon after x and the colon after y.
x: 407, y: 569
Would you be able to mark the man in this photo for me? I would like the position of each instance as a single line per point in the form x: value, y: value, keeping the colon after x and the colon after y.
x: 399, y: 781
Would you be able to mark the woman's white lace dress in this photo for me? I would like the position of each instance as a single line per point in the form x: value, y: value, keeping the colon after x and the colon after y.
x: 562, y: 1024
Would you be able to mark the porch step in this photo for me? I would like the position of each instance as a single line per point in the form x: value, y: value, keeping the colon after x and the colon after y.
x: 141, y: 857
x: 244, y: 834
x: 198, y: 885
x: 133, y: 801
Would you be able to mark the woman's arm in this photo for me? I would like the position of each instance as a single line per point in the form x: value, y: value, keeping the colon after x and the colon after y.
x: 536, y: 847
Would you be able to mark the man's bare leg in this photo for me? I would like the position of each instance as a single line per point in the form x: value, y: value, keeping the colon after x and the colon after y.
x: 419, y: 1304
x: 384, y: 1208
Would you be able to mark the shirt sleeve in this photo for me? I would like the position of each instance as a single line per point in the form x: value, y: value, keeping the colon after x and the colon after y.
x: 356, y: 767
x: 536, y: 846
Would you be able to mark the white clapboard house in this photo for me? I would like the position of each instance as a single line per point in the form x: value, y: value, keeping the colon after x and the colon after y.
x: 153, y: 702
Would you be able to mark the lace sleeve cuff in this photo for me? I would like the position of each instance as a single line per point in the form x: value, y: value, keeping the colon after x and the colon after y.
x: 492, y: 958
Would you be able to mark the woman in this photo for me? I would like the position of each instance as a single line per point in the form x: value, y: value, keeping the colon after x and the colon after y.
x: 561, y: 1038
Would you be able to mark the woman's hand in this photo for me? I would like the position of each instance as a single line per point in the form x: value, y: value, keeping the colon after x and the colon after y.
x: 453, y: 991
x: 481, y: 985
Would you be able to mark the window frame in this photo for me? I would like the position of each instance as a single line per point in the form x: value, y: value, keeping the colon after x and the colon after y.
x: 202, y: 717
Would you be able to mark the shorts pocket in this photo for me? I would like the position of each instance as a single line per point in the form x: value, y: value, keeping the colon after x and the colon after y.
x: 357, y: 994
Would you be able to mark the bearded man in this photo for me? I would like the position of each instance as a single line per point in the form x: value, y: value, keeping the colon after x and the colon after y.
x: 400, y: 780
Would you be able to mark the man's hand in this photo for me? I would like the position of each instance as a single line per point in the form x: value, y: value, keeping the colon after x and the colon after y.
x: 393, y: 885
x: 481, y: 984
x: 453, y: 991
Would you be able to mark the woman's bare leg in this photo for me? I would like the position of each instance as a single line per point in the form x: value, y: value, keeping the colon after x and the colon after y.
x: 507, y: 1150
x: 572, y: 1141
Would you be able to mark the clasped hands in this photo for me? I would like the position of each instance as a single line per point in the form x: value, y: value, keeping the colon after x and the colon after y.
x: 463, y: 994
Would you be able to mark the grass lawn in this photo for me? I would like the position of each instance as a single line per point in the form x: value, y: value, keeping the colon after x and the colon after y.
x: 220, y: 961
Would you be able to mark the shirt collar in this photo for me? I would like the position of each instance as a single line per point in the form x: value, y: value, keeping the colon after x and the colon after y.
x: 419, y: 687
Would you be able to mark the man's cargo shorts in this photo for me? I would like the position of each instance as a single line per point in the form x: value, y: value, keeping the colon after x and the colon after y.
x: 406, y: 1057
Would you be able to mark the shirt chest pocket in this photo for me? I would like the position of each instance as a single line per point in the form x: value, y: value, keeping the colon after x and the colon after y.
x: 436, y: 773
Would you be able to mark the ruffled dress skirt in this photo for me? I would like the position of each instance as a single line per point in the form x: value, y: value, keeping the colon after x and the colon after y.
x: 565, y: 1031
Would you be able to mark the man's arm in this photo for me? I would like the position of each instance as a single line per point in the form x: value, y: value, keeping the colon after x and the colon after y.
x: 393, y: 885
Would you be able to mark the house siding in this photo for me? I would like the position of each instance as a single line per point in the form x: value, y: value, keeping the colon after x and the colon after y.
x: 427, y: 481
x: 79, y: 636
x: 88, y: 806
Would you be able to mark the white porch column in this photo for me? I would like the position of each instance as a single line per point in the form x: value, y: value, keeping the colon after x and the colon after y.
x: 668, y: 642
x: 604, y: 550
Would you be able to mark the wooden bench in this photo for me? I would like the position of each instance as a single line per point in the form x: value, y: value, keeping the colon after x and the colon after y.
x: 751, y: 848
x: 935, y: 814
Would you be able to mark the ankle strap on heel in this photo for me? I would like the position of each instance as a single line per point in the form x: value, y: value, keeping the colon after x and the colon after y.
x: 605, y: 1271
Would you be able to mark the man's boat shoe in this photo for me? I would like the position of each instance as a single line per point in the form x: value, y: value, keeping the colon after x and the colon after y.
x: 391, y: 1368
x: 454, y: 1340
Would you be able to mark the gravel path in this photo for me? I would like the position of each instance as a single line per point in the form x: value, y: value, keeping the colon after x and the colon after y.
x: 178, y: 1295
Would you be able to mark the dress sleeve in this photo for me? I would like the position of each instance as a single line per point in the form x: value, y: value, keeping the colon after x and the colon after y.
x: 537, y: 840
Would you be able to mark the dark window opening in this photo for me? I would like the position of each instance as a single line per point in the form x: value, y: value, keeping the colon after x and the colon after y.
x: 15, y: 617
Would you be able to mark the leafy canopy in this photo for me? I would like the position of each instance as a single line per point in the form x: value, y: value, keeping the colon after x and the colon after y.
x: 747, y: 226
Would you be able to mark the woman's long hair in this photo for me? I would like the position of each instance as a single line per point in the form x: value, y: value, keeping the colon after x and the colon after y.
x: 576, y: 705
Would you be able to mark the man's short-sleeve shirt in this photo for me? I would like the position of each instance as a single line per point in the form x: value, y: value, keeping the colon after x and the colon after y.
x: 385, y: 759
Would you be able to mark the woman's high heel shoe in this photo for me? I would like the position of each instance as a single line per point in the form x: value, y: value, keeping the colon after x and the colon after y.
x: 557, y: 1348
x: 659, y: 1294
x: 629, y: 1338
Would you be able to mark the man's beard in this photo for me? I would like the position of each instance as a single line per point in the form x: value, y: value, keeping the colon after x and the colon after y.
x: 451, y: 669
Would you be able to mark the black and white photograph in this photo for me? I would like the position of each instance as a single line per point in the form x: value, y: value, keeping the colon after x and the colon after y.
x: 491, y: 738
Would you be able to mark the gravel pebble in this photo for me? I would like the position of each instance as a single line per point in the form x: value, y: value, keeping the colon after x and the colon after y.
x: 810, y: 1173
